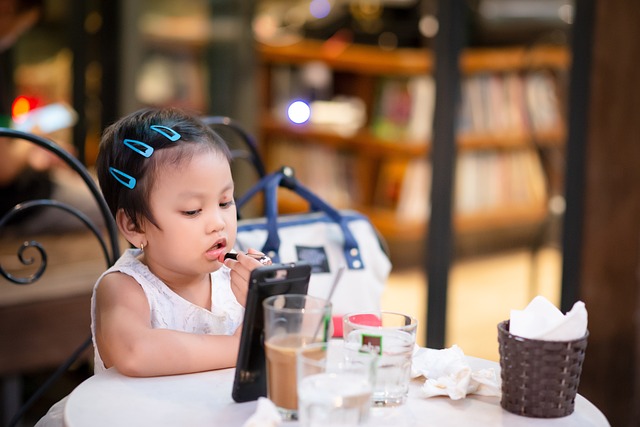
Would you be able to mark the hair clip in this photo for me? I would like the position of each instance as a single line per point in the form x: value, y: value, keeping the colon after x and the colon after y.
x: 167, y: 132
x: 123, y: 178
x: 135, y: 145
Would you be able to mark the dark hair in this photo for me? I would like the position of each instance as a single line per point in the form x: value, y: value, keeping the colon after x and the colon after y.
x: 195, y: 137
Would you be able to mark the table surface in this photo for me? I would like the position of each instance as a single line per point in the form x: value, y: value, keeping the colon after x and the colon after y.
x: 204, y: 399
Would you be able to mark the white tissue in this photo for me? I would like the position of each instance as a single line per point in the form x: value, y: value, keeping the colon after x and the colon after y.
x: 541, y: 320
x: 266, y: 415
x: 448, y: 373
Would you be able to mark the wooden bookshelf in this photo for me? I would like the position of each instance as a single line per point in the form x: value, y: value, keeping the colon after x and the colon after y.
x: 407, y: 61
x: 360, y: 67
x: 372, y: 146
x: 363, y: 141
x: 513, y: 59
x: 505, y: 217
x: 349, y: 57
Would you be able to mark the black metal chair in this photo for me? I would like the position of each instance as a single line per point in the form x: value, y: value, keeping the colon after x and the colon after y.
x: 33, y: 255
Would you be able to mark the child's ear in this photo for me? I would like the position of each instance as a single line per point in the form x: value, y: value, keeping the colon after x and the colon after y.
x: 129, y: 229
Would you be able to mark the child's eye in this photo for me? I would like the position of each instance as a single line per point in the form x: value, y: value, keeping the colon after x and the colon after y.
x: 192, y: 213
x: 226, y: 205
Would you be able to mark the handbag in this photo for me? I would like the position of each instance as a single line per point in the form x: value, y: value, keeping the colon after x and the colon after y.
x: 323, y: 237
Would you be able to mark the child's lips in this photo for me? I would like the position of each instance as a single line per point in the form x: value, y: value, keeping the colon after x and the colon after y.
x: 213, y: 254
x: 216, y: 251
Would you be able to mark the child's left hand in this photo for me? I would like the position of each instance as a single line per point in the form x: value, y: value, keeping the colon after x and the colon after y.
x: 241, y: 269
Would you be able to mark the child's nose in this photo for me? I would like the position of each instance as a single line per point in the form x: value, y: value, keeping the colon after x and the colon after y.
x: 216, y: 222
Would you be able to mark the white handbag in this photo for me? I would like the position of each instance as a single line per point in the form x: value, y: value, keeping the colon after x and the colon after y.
x: 325, y: 238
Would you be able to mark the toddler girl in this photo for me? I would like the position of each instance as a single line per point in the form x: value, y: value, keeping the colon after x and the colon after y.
x: 171, y: 305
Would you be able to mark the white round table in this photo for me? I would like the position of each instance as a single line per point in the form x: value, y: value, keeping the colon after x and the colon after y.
x: 204, y: 399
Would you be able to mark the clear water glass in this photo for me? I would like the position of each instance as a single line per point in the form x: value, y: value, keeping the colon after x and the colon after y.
x: 391, y: 336
x: 334, y: 385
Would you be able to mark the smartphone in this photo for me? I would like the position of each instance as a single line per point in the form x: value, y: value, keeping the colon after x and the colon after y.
x: 250, y: 381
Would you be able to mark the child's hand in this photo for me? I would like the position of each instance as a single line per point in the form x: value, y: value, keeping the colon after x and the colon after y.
x: 241, y: 269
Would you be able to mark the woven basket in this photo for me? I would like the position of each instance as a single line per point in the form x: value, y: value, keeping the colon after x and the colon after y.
x: 539, y: 378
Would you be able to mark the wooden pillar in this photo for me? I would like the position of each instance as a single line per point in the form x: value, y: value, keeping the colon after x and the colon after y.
x: 610, y: 270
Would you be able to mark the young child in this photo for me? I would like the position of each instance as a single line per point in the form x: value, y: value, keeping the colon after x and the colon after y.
x: 172, y: 305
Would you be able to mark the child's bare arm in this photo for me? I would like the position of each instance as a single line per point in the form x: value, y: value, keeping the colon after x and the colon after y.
x: 127, y: 341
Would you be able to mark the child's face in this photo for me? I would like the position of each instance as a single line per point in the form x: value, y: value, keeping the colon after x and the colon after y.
x: 193, y: 205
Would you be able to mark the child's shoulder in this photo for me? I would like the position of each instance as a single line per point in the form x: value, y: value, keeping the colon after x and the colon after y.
x: 118, y: 286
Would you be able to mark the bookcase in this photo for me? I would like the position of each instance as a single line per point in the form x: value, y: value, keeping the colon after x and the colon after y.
x: 511, y: 113
x: 190, y: 54
x: 169, y: 58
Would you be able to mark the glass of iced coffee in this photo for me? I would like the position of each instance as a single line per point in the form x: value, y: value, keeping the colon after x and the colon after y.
x: 290, y: 322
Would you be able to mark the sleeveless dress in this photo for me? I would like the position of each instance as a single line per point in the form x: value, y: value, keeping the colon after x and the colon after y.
x: 168, y: 310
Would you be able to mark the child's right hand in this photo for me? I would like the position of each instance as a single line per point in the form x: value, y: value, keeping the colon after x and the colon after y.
x: 241, y: 269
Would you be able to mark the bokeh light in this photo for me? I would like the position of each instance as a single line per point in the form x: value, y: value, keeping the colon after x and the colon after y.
x: 319, y: 8
x: 299, y: 112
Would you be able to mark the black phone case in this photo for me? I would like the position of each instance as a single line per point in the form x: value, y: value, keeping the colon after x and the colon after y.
x: 250, y: 380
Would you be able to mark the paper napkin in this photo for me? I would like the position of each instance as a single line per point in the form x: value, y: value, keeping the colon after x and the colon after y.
x: 448, y: 373
x: 541, y: 320
x: 266, y: 415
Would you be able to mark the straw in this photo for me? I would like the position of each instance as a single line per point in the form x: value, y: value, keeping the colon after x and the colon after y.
x: 333, y: 288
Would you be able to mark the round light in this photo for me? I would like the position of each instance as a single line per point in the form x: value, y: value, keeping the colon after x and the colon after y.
x: 299, y: 112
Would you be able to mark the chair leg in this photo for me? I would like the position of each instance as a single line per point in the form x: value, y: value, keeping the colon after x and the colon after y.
x: 11, y: 397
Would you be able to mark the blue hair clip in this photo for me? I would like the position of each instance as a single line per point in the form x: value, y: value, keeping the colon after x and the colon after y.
x: 139, y: 147
x: 123, y: 178
x: 167, y: 132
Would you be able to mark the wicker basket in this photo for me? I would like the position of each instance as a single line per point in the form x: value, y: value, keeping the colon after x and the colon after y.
x: 539, y: 378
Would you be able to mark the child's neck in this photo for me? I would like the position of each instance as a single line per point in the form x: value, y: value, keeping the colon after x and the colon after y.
x: 197, y: 292
x: 195, y: 289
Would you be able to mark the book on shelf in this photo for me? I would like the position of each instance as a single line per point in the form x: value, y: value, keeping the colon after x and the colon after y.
x: 389, y: 182
x: 518, y: 118
x: 542, y: 101
x: 474, y: 105
x: 510, y: 103
x: 404, y: 108
x: 488, y: 180
x: 415, y: 193
x: 404, y: 187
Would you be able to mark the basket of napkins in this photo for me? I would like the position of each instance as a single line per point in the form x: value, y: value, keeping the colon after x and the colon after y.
x: 541, y: 356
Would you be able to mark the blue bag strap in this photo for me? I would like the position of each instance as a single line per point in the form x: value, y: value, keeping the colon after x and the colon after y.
x: 269, y: 186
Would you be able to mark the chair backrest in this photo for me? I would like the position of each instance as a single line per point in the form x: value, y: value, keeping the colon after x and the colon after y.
x: 247, y: 166
x: 22, y: 319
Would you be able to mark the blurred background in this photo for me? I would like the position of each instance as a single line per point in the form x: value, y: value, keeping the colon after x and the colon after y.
x: 346, y: 92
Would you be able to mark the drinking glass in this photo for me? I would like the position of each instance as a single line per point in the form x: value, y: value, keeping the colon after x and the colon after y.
x: 392, y: 337
x: 334, y: 385
x: 290, y: 321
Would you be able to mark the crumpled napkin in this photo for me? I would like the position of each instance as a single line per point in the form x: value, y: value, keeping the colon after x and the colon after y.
x: 266, y: 415
x: 448, y: 373
x: 541, y: 320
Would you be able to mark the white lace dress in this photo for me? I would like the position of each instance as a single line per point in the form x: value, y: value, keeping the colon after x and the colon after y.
x: 168, y: 310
